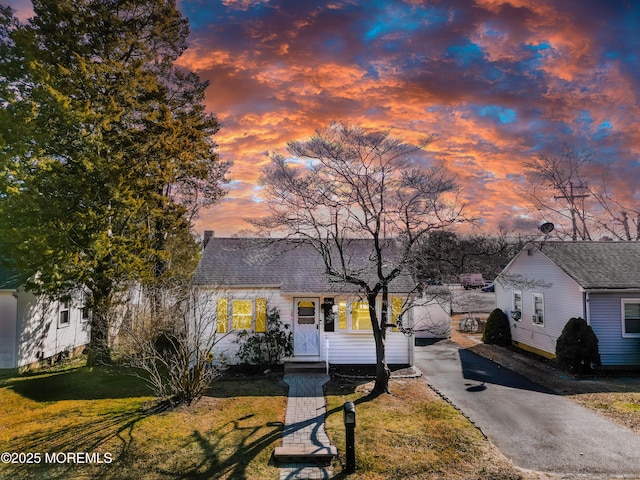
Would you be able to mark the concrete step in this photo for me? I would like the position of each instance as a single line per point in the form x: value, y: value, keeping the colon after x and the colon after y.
x: 305, y: 367
x: 305, y: 454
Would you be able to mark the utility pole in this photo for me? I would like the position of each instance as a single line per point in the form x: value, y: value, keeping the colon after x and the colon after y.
x: 574, y: 211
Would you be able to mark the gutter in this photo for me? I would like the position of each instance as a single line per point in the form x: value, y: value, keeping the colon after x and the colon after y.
x: 610, y: 290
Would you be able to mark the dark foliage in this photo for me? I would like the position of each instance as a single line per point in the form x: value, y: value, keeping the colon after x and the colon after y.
x: 266, y: 348
x: 497, y: 331
x: 577, y: 347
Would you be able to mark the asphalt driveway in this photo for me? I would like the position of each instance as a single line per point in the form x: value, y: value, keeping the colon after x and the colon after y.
x: 533, y: 427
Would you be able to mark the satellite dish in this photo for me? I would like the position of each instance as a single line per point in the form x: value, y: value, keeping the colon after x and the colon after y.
x: 546, y: 228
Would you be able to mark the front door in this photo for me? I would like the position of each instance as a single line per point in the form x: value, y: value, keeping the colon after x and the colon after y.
x: 306, y: 335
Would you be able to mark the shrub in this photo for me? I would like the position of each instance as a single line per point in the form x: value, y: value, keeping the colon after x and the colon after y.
x: 577, y: 347
x: 497, y: 331
x: 266, y: 348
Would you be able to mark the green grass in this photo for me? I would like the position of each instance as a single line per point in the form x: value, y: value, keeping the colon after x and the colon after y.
x: 229, y: 434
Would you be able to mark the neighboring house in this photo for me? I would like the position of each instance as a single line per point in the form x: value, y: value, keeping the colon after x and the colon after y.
x: 544, y: 286
x: 34, y: 329
x: 248, y: 277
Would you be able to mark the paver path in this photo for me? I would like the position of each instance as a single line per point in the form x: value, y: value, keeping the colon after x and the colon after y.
x: 304, y: 424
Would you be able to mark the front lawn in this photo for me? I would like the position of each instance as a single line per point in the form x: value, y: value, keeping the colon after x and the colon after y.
x: 91, y: 423
x: 412, y: 434
x: 98, y: 423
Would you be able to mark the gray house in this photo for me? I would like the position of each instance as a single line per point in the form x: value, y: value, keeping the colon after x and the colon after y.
x: 243, y: 278
x: 546, y: 285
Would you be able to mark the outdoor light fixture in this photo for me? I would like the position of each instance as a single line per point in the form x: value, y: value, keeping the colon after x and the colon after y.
x: 349, y: 412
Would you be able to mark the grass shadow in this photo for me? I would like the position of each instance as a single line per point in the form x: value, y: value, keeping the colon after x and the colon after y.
x: 214, y: 464
x: 81, y: 383
x: 85, y: 435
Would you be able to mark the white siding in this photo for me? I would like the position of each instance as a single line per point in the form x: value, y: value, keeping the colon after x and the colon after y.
x: 344, y: 347
x: 8, y: 316
x: 38, y: 331
x: 359, y: 348
x: 605, y: 312
x: 562, y: 299
x: 226, y: 343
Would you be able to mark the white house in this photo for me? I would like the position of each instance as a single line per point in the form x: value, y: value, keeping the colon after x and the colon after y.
x: 546, y: 285
x: 34, y: 329
x: 329, y: 320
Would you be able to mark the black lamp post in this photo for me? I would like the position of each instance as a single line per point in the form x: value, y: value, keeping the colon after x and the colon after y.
x: 350, y: 427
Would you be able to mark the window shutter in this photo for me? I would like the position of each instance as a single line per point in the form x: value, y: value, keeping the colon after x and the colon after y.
x: 223, y: 315
x: 261, y: 314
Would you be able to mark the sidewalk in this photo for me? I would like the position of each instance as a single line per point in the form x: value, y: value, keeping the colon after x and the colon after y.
x: 306, y: 449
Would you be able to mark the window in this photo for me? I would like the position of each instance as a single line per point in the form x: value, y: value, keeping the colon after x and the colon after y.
x: 241, y: 314
x: 360, y: 317
x: 86, y: 311
x: 342, y: 315
x: 516, y: 311
x: 244, y: 315
x: 396, y: 310
x: 538, y: 309
x: 63, y: 319
x: 631, y: 317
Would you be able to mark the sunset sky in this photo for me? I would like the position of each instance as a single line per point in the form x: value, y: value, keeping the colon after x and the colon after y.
x: 499, y: 82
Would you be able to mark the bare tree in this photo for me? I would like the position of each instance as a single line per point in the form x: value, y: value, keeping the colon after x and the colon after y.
x: 344, y: 185
x: 567, y: 190
x: 564, y: 188
x: 170, y: 340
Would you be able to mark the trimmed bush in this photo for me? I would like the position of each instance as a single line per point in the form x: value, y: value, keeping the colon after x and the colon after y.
x: 577, y: 347
x: 497, y: 331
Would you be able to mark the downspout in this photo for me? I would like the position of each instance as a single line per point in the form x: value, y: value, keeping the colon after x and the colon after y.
x: 587, y: 309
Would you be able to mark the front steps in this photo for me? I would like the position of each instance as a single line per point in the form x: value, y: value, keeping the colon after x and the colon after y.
x: 305, y: 367
x: 318, y: 455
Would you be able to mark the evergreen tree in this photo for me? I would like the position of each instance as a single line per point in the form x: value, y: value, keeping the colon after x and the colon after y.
x: 106, y: 151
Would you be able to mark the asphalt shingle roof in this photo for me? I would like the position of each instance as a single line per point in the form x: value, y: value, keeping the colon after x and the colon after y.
x: 10, y: 280
x: 251, y: 262
x: 594, y: 265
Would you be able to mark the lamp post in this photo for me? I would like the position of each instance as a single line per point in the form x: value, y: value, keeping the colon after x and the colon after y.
x: 349, y: 412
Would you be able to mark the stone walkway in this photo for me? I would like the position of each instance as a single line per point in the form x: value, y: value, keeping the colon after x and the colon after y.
x: 304, y: 435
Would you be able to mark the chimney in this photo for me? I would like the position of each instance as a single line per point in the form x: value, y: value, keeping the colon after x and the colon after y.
x: 207, y: 236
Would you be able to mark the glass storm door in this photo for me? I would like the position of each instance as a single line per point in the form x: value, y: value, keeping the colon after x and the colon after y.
x: 306, y: 335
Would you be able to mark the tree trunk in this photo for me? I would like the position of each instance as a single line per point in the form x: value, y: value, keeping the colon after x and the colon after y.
x: 380, y: 335
x: 99, y: 351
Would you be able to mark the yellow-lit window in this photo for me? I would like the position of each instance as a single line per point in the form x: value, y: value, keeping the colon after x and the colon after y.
x: 342, y: 315
x: 360, y: 317
x: 261, y: 314
x: 241, y: 314
x: 396, y: 310
x: 223, y: 315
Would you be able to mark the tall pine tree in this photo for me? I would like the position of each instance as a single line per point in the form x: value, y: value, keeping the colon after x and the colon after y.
x: 106, y: 151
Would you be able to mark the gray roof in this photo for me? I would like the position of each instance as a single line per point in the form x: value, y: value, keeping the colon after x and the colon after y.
x: 598, y: 265
x: 9, y: 279
x: 293, y: 267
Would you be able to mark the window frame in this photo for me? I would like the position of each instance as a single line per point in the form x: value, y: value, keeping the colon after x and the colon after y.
x: 350, y: 321
x: 344, y: 314
x: 514, y: 307
x: 623, y: 303
x: 258, y: 315
x: 64, y: 310
x: 85, y: 311
x: 534, y: 313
